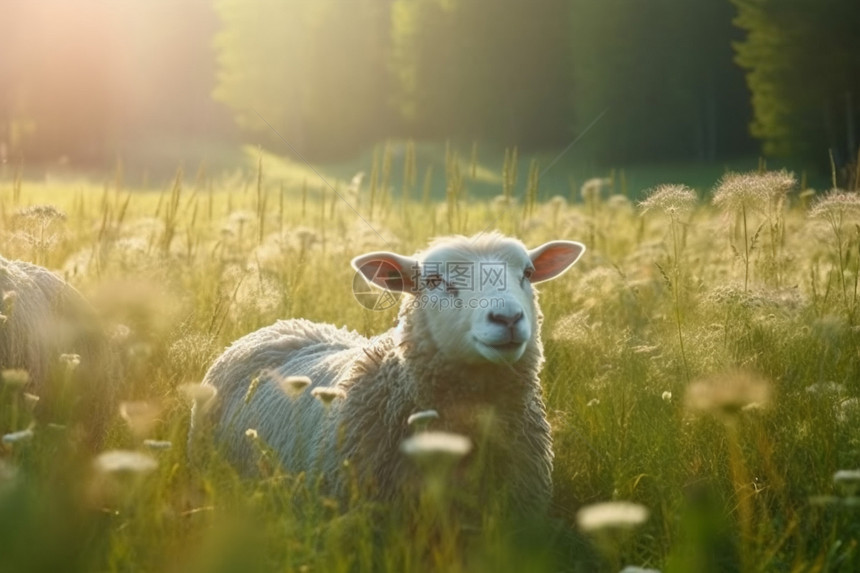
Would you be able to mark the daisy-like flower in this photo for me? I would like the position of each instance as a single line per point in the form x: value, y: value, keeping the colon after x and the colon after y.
x: 140, y: 416
x: 667, y: 396
x: 611, y: 515
x: 673, y: 200
x: 18, y: 437
x: 197, y: 393
x: 70, y: 361
x: 847, y: 481
x: 420, y: 420
x: 15, y: 377
x: 436, y: 449
x: 124, y: 462
x: 293, y: 386
x: 726, y: 394
x: 327, y: 394
x: 252, y: 434
x: 158, y: 444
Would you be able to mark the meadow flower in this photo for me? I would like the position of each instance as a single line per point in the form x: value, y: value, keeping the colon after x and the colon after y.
x: 826, y: 388
x: 737, y: 192
x: 197, y: 393
x: 124, y: 462
x: 252, y: 434
x: 434, y: 449
x: 70, y: 361
x: 327, y: 394
x: 293, y: 386
x: 158, y: 444
x: 592, y: 189
x: 15, y: 377
x: 593, y: 402
x: 18, y: 437
x: 636, y: 569
x: 420, y: 420
x: 41, y: 213
x: 835, y: 205
x: 847, y: 481
x: 725, y: 394
x: 667, y: 396
x: 30, y: 401
x: 673, y: 200
x: 611, y: 515
x: 140, y: 416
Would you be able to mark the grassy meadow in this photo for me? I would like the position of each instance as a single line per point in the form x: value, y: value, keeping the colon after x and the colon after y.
x: 702, y: 361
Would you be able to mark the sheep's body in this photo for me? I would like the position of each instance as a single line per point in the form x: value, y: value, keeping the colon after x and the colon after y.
x: 497, y: 404
x: 44, y: 318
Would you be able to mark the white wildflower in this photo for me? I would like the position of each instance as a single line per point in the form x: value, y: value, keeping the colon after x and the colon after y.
x: 847, y: 481
x: 124, y: 462
x: 18, y: 437
x: 327, y: 394
x: 430, y: 449
x: 15, y: 377
x: 158, y: 444
x: 293, y: 386
x: 611, y: 515
x: 420, y: 420
x: 140, y: 416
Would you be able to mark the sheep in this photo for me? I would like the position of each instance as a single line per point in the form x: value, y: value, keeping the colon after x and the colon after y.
x: 49, y: 330
x: 467, y: 347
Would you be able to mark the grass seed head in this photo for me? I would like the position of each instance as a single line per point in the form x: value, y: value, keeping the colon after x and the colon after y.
x: 672, y: 200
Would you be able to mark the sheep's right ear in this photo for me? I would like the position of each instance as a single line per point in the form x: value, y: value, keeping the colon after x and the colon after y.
x: 390, y: 271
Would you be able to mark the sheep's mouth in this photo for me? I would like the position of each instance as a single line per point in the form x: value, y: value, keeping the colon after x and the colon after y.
x: 508, y: 347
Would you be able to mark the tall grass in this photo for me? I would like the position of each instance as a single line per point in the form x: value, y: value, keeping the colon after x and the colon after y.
x: 626, y: 350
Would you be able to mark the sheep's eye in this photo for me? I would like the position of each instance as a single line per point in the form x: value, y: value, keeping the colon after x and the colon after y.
x: 433, y: 281
x: 527, y: 274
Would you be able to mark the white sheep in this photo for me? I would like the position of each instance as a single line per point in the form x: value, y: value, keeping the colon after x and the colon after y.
x: 48, y: 329
x: 466, y: 345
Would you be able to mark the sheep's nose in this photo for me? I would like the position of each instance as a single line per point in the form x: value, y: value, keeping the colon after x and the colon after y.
x: 506, y: 319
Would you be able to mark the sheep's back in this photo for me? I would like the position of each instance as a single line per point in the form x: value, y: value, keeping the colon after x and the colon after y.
x: 46, y: 318
x: 296, y: 428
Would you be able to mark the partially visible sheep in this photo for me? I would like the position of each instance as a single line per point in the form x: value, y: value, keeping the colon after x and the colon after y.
x: 468, y: 348
x: 49, y: 330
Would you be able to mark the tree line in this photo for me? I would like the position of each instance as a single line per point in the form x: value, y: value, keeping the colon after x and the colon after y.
x: 633, y: 81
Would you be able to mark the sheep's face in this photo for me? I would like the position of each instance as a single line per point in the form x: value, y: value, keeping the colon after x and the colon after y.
x: 475, y: 294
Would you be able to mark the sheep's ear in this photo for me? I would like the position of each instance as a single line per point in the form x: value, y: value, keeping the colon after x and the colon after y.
x: 553, y: 258
x: 390, y: 271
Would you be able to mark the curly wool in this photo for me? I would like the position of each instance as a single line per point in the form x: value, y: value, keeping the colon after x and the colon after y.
x: 384, y: 383
x: 44, y: 319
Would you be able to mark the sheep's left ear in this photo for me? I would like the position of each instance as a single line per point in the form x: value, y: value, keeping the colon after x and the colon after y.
x: 390, y: 271
x: 553, y: 258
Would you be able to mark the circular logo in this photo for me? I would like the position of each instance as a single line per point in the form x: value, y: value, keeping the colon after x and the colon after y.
x: 384, y: 292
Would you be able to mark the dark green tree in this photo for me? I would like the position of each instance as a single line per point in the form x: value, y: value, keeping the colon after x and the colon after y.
x: 484, y: 69
x: 802, y: 59
x: 663, y: 72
